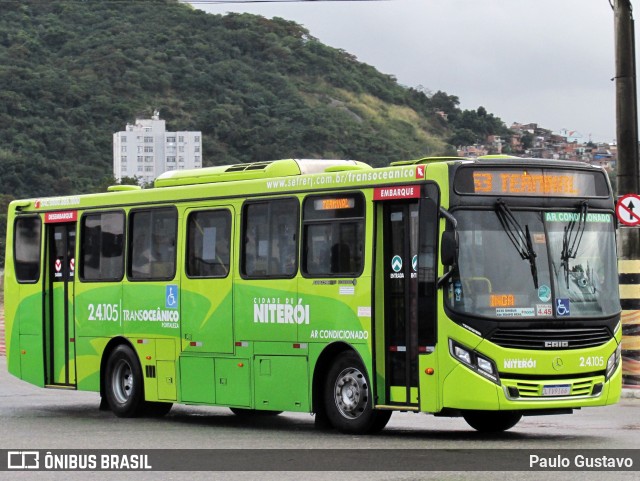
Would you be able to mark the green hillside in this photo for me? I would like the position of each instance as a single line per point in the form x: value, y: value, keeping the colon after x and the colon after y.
x: 74, y: 72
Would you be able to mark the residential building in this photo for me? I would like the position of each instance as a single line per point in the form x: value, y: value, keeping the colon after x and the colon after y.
x: 145, y: 149
x: 531, y: 140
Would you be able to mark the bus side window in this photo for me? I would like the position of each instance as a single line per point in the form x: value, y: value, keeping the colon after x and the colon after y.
x: 340, y: 258
x: 208, y: 244
x: 102, y: 247
x: 153, y: 244
x: 26, y: 249
x: 333, y: 235
x: 270, y: 239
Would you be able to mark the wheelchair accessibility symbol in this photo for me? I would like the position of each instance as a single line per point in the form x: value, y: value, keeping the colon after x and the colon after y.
x: 171, y: 297
x: 562, y: 307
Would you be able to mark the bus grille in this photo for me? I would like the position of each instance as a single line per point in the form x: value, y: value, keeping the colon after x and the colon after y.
x: 534, y: 389
x: 551, y: 339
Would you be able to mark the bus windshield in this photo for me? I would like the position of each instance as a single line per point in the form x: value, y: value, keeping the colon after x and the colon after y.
x: 516, y: 264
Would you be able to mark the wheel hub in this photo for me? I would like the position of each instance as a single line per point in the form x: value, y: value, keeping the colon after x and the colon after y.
x: 351, y: 393
x: 122, y: 382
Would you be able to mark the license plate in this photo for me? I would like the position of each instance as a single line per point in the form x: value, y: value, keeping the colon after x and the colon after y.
x: 556, y: 390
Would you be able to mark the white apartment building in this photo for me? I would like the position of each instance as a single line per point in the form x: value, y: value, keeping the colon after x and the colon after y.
x: 145, y: 150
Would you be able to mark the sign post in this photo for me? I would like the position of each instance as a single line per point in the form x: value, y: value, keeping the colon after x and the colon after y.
x: 628, y: 213
x: 628, y: 181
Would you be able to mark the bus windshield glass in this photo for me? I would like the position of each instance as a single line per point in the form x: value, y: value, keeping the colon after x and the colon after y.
x: 527, y: 265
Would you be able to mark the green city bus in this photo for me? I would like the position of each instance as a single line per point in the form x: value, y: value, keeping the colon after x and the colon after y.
x: 484, y: 288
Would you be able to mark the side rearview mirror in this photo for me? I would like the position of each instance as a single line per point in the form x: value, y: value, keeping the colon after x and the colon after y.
x: 449, y: 248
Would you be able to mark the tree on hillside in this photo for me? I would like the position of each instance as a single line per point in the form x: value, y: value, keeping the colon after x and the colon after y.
x: 72, y: 73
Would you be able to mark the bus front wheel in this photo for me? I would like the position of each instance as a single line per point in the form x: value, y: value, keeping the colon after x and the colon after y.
x: 348, y: 398
x: 124, y: 386
x: 154, y: 409
x: 492, y: 421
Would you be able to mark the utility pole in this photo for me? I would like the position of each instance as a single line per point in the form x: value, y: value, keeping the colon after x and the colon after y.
x: 626, y: 119
x: 628, y: 180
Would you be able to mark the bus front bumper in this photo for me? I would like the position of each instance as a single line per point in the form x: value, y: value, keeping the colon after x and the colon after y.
x: 465, y: 389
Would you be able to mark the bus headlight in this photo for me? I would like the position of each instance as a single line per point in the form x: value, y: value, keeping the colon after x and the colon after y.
x: 462, y: 354
x: 485, y: 365
x: 613, y: 361
x: 474, y: 361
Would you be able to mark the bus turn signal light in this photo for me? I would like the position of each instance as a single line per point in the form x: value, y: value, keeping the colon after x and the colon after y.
x: 429, y: 371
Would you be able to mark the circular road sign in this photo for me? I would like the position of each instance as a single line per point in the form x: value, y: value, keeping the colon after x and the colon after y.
x: 628, y: 210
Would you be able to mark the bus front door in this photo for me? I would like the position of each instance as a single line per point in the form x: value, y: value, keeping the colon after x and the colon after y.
x: 59, y: 320
x: 398, y: 304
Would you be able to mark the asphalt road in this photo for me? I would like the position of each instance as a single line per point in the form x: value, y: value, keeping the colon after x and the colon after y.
x: 34, y: 418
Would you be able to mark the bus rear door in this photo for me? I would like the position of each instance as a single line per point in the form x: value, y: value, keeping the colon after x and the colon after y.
x: 206, y: 300
x: 59, y: 344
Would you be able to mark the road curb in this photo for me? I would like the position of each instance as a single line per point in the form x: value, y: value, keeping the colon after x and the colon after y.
x: 630, y: 393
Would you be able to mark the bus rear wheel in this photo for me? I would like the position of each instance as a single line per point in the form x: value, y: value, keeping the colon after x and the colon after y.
x: 124, y: 388
x: 492, y: 421
x: 348, y: 398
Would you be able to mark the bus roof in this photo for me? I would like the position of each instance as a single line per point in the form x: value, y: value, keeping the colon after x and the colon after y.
x: 275, y: 177
x: 255, y: 170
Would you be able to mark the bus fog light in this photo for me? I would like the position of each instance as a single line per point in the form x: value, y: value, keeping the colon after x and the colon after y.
x: 597, y: 389
x: 485, y: 365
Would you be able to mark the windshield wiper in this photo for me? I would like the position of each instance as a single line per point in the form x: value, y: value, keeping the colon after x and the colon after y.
x: 519, y: 237
x: 572, y: 238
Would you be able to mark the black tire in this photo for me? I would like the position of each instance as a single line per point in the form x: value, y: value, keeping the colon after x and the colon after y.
x: 123, y: 383
x: 492, y: 421
x: 242, y: 412
x: 321, y: 420
x: 155, y: 409
x: 348, y: 398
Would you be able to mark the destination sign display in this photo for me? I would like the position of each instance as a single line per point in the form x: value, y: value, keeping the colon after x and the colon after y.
x: 530, y: 182
x: 334, y: 203
x: 333, y: 206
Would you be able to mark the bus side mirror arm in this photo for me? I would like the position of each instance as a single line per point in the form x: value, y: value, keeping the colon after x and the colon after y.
x: 448, y: 246
x: 444, y: 278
